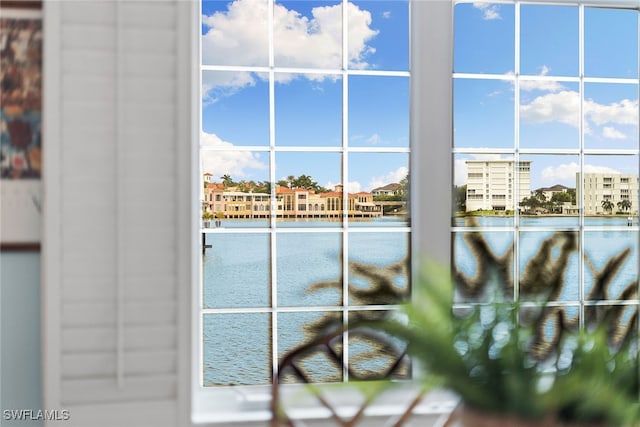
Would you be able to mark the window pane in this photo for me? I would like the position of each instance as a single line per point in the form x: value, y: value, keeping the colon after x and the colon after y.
x: 378, y: 111
x: 379, y: 189
x: 378, y: 268
x: 611, y: 115
x: 484, y: 38
x: 549, y: 114
x: 610, y: 42
x: 308, y: 110
x: 236, y: 270
x: 483, y: 113
x: 549, y: 40
x: 230, y: 101
x: 296, y: 329
x: 309, y: 269
x: 235, y: 33
x: 308, y: 34
x: 610, y: 185
x: 307, y: 180
x: 386, y: 45
x: 483, y: 264
x: 232, y: 358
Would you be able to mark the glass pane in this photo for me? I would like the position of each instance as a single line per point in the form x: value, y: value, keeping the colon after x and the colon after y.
x: 322, y: 365
x: 484, y: 35
x: 483, y: 265
x: 308, y: 190
x: 388, y: 44
x: 235, y: 33
x: 309, y: 269
x: 611, y: 115
x: 551, y: 200
x: 232, y: 358
x: 551, y: 323
x: 378, y: 111
x: 621, y: 321
x: 236, y: 270
x: 230, y: 100
x: 483, y: 113
x: 549, y: 266
x: 549, y: 114
x: 237, y: 190
x: 308, y: 110
x: 308, y: 34
x: 378, y: 189
x: 610, y: 42
x: 610, y: 188
x: 549, y: 40
x: 611, y: 260
x: 488, y: 180
x: 378, y: 268
x: 377, y: 355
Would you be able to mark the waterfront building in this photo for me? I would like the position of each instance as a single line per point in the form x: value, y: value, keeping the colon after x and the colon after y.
x: 614, y: 187
x: 550, y: 191
x: 394, y: 189
x: 491, y: 184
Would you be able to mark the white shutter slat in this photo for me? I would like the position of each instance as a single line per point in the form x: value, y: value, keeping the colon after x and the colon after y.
x: 88, y: 62
x: 89, y: 37
x: 103, y: 339
x: 76, y: 366
x: 136, y: 15
x: 147, y: 65
x: 88, y: 13
x: 107, y: 390
x: 88, y: 88
x: 80, y: 287
x: 100, y: 313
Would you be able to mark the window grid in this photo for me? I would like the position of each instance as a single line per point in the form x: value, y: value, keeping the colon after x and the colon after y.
x: 516, y: 78
x: 273, y: 229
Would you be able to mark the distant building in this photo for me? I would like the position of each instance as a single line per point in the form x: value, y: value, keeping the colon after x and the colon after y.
x: 614, y: 187
x: 550, y: 191
x: 394, y: 189
x: 491, y: 184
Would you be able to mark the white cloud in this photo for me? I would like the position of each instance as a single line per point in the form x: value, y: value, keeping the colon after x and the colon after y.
x: 543, y: 85
x: 612, y: 133
x: 386, y: 14
x: 374, y: 139
x: 392, y: 177
x: 239, y: 36
x: 624, y: 112
x: 489, y: 11
x: 559, y: 107
x: 238, y: 164
x: 460, y: 172
x: 567, y: 172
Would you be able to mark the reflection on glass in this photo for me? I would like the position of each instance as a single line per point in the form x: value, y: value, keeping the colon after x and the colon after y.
x: 322, y: 365
x: 611, y: 260
x: 549, y: 114
x: 611, y: 115
x: 378, y: 268
x: 485, y: 189
x: 236, y: 270
x: 484, y: 36
x: 549, y: 40
x: 483, y: 265
x: 308, y: 189
x: 226, y: 39
x: 308, y: 34
x: 389, y: 40
x: 551, y: 200
x: 483, y: 113
x: 228, y: 105
x: 610, y: 187
x: 236, y: 189
x: 308, y: 110
x: 620, y: 320
x: 610, y: 42
x: 378, y: 111
x: 375, y: 355
x: 309, y: 269
x: 379, y: 189
x: 549, y: 266
x: 232, y: 357
x: 551, y: 323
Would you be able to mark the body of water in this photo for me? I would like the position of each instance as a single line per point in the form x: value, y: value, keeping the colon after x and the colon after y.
x: 308, y: 272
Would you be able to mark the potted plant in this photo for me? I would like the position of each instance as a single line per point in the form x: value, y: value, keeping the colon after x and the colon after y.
x: 489, y: 354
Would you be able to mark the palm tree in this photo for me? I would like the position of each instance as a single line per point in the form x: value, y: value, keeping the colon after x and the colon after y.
x: 624, y: 205
x: 607, y: 205
x: 226, y: 180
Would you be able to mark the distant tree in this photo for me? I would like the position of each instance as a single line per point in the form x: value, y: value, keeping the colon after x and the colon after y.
x: 460, y: 198
x: 624, y: 205
x: 226, y: 180
x: 404, y: 187
x: 607, y: 205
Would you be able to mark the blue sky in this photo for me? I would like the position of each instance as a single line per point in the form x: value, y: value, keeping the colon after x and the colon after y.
x: 308, y: 107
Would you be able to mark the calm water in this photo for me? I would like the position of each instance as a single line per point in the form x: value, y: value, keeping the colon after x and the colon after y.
x: 308, y: 269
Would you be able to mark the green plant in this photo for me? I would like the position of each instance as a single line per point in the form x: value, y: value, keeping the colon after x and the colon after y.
x: 488, y: 354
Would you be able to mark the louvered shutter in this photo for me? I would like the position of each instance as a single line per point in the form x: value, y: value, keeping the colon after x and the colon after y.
x: 115, y: 245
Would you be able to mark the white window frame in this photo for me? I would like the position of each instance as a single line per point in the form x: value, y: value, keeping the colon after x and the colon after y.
x: 431, y: 159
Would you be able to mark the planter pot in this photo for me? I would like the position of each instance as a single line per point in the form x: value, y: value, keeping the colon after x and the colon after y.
x: 469, y: 417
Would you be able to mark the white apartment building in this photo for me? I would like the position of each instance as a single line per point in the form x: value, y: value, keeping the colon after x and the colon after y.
x: 614, y: 187
x: 491, y: 184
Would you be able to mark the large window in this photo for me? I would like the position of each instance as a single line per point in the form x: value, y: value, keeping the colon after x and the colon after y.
x: 304, y: 146
x: 547, y: 93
